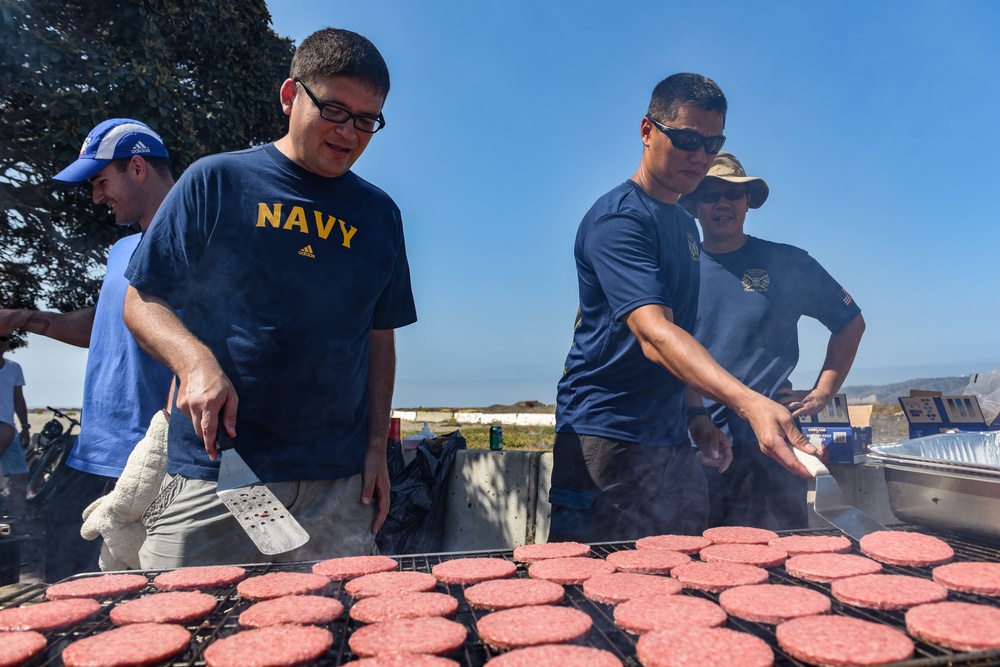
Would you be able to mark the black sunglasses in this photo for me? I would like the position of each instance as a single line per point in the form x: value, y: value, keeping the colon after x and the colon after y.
x: 714, y: 197
x: 689, y: 140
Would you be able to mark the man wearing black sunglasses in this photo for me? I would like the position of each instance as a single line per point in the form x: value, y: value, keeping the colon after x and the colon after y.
x: 622, y: 463
x: 753, y: 293
x: 291, y: 272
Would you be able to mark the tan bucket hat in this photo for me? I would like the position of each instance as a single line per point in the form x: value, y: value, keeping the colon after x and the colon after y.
x: 727, y: 168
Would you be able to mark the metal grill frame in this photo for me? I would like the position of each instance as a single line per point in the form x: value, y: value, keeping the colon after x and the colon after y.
x: 605, y: 634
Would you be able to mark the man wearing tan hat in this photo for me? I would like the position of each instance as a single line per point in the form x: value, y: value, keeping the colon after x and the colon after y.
x: 753, y: 293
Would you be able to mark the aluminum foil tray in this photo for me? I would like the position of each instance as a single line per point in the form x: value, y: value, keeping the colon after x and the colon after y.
x: 949, y: 481
x: 976, y: 453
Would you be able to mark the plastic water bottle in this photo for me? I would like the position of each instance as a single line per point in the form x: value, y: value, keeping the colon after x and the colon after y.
x: 412, y: 441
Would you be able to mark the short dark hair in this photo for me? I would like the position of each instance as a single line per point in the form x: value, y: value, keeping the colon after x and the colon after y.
x: 336, y: 52
x: 160, y: 164
x: 681, y: 89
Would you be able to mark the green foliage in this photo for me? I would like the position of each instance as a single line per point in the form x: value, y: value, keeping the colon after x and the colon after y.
x: 203, y: 73
x: 477, y: 436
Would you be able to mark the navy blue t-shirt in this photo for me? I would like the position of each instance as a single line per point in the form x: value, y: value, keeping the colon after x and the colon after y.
x: 631, y: 250
x: 748, y: 313
x: 282, y: 273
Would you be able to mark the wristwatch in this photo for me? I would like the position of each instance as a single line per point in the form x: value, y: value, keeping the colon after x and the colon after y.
x: 693, y: 413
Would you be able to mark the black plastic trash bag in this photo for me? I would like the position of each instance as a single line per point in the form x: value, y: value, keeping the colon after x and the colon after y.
x: 417, y: 499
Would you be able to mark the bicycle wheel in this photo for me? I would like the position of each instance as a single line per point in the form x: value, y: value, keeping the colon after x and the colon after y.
x: 41, y: 480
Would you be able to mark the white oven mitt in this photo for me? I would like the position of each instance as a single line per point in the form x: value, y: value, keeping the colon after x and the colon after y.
x: 117, y: 516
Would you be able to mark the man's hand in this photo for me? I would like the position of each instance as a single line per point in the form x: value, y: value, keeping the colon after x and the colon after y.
x: 12, y: 320
x: 375, y: 483
x: 777, y: 433
x: 801, y: 402
x: 205, y: 395
x: 25, y: 438
x: 714, y: 448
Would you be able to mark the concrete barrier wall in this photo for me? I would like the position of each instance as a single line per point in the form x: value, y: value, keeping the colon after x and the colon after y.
x: 500, y: 500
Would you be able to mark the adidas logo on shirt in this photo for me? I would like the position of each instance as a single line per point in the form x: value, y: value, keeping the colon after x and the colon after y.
x: 140, y: 148
x: 307, y: 252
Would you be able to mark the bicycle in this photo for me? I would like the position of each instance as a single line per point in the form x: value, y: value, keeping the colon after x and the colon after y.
x: 47, y: 455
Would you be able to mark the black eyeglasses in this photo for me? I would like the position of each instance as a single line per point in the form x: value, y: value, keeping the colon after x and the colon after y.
x: 714, y: 197
x: 689, y: 140
x: 335, y: 114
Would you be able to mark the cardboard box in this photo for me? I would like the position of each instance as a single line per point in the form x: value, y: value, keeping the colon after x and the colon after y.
x: 928, y: 412
x: 845, y: 432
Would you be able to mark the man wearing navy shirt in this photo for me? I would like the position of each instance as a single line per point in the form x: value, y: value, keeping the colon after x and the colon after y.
x: 623, y: 466
x: 753, y: 293
x: 291, y: 273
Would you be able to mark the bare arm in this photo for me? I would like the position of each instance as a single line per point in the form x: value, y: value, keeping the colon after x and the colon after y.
x: 840, y: 353
x: 73, y: 327
x: 674, y: 349
x: 204, y: 392
x: 714, y: 448
x: 21, y: 410
x: 381, y: 380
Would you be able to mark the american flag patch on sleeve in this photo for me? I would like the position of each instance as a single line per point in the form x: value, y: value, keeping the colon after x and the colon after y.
x: 847, y: 297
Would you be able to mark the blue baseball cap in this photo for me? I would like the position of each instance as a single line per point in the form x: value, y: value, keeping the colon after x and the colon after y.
x: 111, y: 140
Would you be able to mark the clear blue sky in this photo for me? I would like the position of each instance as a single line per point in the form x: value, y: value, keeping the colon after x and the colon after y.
x: 874, y: 123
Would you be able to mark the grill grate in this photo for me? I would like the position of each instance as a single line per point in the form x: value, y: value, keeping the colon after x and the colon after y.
x: 223, y: 621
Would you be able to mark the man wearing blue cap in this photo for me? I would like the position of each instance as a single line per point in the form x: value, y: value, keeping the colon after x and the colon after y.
x: 128, y: 168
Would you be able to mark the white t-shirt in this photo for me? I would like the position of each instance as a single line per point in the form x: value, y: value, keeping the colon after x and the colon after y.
x: 10, y: 377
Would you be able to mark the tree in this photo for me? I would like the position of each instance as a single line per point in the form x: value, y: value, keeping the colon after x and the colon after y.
x: 203, y: 73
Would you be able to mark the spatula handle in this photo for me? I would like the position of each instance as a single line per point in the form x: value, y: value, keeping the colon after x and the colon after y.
x: 811, y: 462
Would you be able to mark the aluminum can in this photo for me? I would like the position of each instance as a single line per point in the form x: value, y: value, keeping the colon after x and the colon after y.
x: 496, y: 438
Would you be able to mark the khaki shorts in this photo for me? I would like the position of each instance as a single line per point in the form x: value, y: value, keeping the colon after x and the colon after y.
x: 188, y: 525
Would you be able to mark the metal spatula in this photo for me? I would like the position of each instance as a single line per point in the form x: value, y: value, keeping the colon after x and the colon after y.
x: 266, y: 520
x: 831, y: 503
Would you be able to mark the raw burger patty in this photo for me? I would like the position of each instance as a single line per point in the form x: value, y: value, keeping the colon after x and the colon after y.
x: 760, y: 555
x: 842, y: 640
x: 393, y: 606
x: 772, y: 603
x: 350, y: 567
x: 619, y: 587
x: 274, y: 646
x: 715, y: 577
x: 390, y: 582
x: 648, y: 561
x: 105, y: 586
x: 137, y: 644
x: 196, y: 578
x: 795, y: 545
x: 825, y: 568
x: 531, y: 626
x: 411, y: 635
x: 280, y: 584
x: 569, y: 570
x: 48, y: 615
x: 887, y: 591
x: 556, y: 655
x: 473, y: 570
x: 739, y: 535
x: 962, y: 626
x: 529, y: 553
x: 645, y: 614
x: 685, y: 544
x: 899, y: 547
x: 180, y: 607
x: 17, y: 647
x: 509, y: 593
x: 977, y: 577
x: 403, y: 660
x: 301, y: 609
x: 698, y: 647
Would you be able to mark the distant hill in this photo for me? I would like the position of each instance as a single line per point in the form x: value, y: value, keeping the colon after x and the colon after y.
x: 888, y: 393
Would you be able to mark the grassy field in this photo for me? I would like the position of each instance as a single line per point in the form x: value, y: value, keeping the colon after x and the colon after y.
x: 888, y: 425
